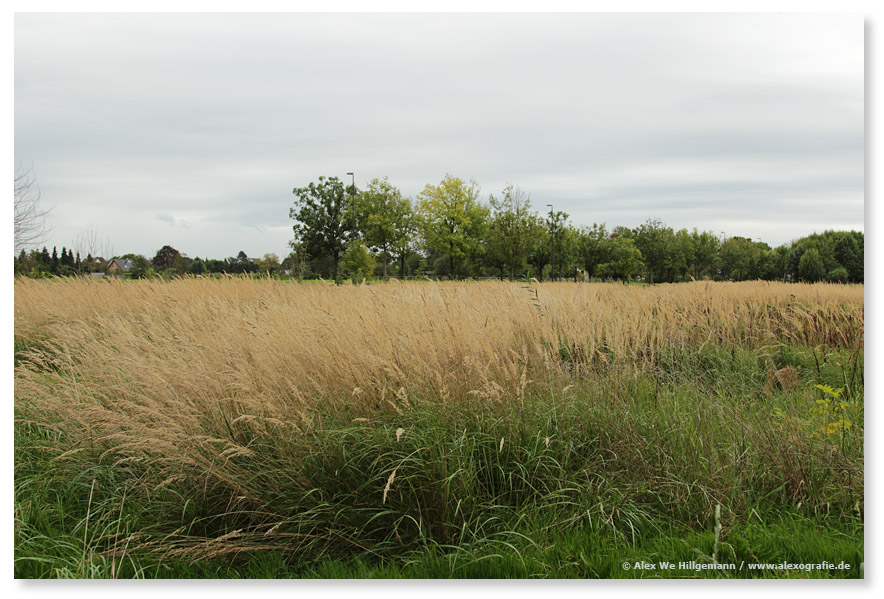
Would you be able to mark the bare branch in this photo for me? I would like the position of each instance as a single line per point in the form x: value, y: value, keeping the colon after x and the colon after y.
x: 88, y: 243
x: 31, y: 227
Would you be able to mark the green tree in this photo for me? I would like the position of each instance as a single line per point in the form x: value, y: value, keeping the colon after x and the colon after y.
x: 839, y: 275
x: 823, y: 243
x: 385, y: 218
x: 67, y: 258
x: 140, y: 267
x: 297, y: 260
x: 510, y: 233
x: 624, y: 259
x: 240, y: 264
x: 780, y: 262
x: 681, y: 256
x: 404, y: 242
x: 358, y: 262
x: 197, y: 267
x: 811, y: 267
x: 454, y: 221
x: 592, y: 248
x: 706, y: 246
x: 739, y: 259
x: 556, y: 224
x: 769, y: 262
x: 324, y: 219
x: 849, y: 253
x: 23, y: 263
x: 566, y: 246
x: 541, y: 245
x: 655, y: 242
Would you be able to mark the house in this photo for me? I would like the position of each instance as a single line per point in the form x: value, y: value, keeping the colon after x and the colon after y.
x: 119, y: 266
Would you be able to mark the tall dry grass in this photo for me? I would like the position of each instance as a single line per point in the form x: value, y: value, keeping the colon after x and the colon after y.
x: 168, y: 356
x: 266, y: 341
x: 186, y: 381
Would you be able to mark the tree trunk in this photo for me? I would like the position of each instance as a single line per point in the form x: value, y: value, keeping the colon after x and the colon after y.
x: 450, y: 260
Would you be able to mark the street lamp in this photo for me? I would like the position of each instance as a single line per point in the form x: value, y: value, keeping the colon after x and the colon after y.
x: 552, y: 245
x: 353, y: 201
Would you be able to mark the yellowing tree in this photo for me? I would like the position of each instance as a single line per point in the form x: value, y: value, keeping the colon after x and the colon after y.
x: 454, y: 221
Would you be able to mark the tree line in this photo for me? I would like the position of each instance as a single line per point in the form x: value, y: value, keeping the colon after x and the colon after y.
x: 448, y: 232
x: 167, y: 262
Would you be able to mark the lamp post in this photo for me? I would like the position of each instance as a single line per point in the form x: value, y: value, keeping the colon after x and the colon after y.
x: 353, y: 201
x: 552, y: 245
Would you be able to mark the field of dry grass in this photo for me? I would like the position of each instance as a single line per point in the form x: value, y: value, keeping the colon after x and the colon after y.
x: 234, y: 393
x: 268, y: 344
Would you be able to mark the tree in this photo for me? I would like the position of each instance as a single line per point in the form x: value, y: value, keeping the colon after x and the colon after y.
x: 848, y: 252
x: 384, y: 217
x: 179, y: 265
x: 197, y: 267
x: 324, y: 221
x: 240, y: 264
x: 30, y: 220
x: 165, y: 258
x: 681, y: 256
x: 140, y: 267
x: 269, y: 264
x: 811, y: 267
x: 541, y: 245
x: 454, y: 221
x: 653, y: 239
x: 779, y: 262
x: 407, y: 227
x: 510, y: 231
x: 624, y: 258
x: 567, y: 258
x: 591, y: 248
x: 358, y: 262
x: 556, y: 226
x: 705, y: 246
x: 296, y: 262
x: 835, y: 248
x: 739, y: 259
x: 839, y: 275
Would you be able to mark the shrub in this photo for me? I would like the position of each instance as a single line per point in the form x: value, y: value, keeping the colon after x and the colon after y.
x: 838, y: 275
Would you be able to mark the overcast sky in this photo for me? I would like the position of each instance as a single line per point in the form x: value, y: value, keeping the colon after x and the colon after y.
x: 192, y: 129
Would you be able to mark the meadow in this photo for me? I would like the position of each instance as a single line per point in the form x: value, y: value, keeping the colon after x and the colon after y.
x: 239, y: 427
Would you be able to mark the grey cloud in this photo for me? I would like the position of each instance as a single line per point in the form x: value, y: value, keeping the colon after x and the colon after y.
x: 211, y: 119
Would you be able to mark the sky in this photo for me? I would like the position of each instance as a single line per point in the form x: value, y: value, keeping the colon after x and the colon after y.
x: 192, y: 129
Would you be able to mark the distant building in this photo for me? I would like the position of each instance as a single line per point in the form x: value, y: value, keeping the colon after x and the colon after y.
x: 119, y: 266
